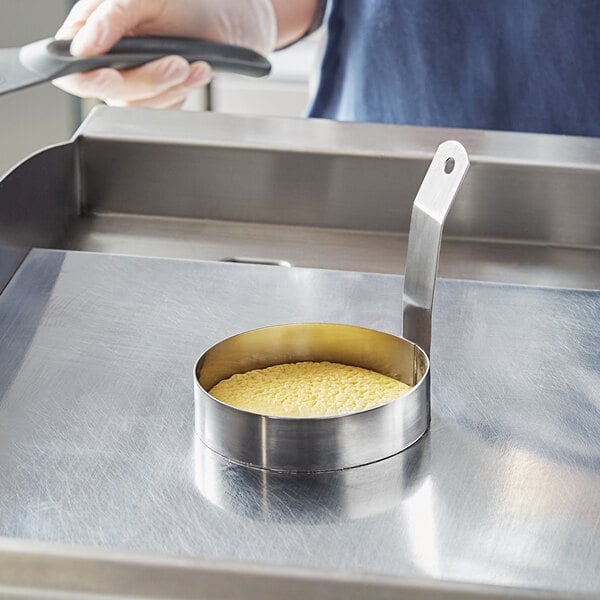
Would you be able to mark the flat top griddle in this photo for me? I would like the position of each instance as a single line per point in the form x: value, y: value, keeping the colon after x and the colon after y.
x: 97, y: 441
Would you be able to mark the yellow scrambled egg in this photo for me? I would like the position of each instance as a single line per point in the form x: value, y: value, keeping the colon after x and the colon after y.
x: 308, y: 389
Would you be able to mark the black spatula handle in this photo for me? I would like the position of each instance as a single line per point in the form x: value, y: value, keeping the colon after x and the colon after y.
x: 52, y: 58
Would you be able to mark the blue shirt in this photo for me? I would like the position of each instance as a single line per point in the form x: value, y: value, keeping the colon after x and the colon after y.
x: 521, y: 65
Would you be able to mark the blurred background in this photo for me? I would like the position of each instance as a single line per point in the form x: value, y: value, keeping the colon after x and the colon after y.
x: 34, y: 118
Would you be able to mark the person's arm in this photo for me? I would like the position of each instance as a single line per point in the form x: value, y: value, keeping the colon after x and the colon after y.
x: 96, y: 25
x: 294, y: 18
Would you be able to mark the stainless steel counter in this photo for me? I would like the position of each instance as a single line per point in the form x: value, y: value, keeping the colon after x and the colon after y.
x: 98, y: 461
x: 98, y: 449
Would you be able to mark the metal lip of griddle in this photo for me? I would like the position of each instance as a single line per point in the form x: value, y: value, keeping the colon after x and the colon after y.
x: 329, y: 443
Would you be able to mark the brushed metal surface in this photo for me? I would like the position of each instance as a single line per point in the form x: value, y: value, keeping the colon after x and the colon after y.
x: 38, y: 205
x: 283, y: 187
x: 97, y: 443
x: 312, y: 193
x: 322, y: 135
x: 432, y: 204
x: 336, y: 194
x: 320, y: 247
x: 538, y: 188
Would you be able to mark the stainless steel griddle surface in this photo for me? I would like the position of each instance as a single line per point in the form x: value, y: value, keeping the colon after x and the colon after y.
x: 97, y: 438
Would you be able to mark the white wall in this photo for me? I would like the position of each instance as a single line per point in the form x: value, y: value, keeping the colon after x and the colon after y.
x: 33, y: 118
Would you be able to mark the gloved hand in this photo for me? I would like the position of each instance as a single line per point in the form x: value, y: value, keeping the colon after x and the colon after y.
x: 96, y: 25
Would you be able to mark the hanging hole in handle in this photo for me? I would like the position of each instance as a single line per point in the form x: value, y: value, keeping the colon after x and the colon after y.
x: 449, y: 166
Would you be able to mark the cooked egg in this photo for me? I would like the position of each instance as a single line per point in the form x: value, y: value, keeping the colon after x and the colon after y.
x: 308, y: 389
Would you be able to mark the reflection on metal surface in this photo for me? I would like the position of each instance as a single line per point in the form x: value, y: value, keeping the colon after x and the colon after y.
x: 322, y: 497
x: 422, y: 533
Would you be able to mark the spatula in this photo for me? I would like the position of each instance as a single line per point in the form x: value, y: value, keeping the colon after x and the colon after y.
x: 48, y: 59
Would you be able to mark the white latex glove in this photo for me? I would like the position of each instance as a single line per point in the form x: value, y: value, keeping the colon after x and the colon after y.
x: 96, y: 25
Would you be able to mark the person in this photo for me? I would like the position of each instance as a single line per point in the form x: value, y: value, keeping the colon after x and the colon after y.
x: 521, y: 65
x: 96, y: 25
